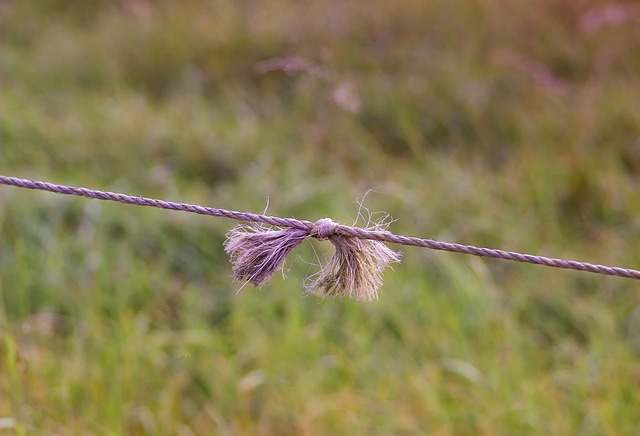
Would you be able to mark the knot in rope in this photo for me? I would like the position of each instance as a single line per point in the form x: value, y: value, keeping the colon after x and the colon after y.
x: 355, y: 270
x: 323, y: 228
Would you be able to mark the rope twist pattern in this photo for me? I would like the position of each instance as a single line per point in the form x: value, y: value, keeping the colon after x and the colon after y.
x: 322, y: 229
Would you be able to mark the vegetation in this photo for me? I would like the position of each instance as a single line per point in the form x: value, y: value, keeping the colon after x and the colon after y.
x: 496, y: 123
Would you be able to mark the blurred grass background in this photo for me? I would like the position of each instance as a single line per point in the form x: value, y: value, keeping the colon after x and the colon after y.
x: 500, y: 123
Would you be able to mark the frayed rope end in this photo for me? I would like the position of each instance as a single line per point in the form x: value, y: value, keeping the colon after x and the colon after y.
x: 354, y: 271
x: 257, y: 253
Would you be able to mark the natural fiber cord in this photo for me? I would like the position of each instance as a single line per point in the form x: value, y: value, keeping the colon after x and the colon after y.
x: 355, y: 271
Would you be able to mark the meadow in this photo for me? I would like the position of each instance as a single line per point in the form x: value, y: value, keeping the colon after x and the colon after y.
x: 501, y: 123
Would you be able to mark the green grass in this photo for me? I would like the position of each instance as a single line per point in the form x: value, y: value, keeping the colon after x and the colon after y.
x: 501, y: 124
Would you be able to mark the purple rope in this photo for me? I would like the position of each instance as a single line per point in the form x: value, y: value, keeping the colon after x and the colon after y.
x: 323, y: 228
x: 151, y: 202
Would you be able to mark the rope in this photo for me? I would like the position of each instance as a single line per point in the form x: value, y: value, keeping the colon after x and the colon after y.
x: 324, y: 228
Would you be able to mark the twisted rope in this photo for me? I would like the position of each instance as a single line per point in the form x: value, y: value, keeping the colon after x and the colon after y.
x: 324, y: 228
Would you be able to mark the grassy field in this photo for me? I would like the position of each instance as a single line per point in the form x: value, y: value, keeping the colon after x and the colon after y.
x: 499, y: 123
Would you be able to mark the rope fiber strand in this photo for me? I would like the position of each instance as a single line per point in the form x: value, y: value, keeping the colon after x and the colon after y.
x: 257, y: 252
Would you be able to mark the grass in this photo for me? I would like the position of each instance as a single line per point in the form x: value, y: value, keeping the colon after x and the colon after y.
x: 499, y: 124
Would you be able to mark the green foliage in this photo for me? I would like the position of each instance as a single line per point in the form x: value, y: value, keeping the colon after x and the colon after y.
x: 497, y: 123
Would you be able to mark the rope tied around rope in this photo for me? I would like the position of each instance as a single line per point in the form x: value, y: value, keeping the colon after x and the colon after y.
x: 360, y: 257
x: 323, y: 228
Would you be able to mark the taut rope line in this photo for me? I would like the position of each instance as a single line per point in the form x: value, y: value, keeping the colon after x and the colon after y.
x: 283, y: 241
